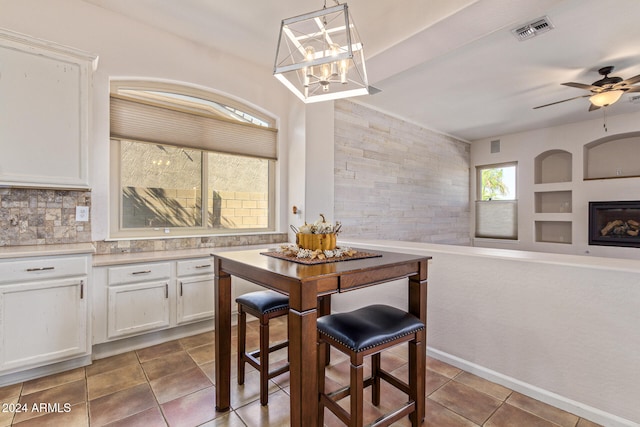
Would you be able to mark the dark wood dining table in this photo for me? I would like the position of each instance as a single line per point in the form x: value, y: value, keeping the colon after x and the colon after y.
x: 309, y: 288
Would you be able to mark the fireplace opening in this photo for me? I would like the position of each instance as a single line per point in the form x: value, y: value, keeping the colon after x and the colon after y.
x: 614, y: 223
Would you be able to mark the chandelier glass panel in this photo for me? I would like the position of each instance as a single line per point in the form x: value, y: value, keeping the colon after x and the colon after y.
x: 320, y: 56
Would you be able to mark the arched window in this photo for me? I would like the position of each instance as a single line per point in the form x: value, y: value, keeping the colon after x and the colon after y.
x: 186, y: 161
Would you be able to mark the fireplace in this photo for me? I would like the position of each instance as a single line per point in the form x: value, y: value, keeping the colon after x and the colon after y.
x: 614, y: 223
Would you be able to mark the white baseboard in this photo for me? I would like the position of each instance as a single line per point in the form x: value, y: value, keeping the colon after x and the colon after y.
x: 585, y: 411
x: 112, y: 348
x: 42, y: 371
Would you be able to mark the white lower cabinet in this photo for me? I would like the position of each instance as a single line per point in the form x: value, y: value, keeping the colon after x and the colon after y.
x: 138, y: 308
x: 195, y: 299
x: 139, y: 298
x: 43, y: 311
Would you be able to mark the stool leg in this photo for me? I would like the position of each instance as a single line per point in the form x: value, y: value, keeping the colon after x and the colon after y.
x: 417, y: 380
x: 357, y: 400
x: 322, y: 355
x: 242, y: 338
x: 375, y: 387
x: 264, y: 360
x: 324, y: 309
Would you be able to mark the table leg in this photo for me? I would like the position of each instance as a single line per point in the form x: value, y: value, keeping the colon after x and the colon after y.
x: 418, y: 307
x: 223, y: 340
x: 302, y: 368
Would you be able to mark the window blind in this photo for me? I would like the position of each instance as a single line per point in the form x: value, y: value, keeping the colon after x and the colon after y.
x: 142, y: 121
x: 497, y: 219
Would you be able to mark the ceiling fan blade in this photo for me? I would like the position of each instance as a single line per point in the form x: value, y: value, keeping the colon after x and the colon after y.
x: 593, y: 107
x: 564, y: 100
x: 633, y: 89
x: 629, y: 81
x: 583, y: 86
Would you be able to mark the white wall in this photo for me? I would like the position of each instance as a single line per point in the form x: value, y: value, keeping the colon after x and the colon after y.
x: 559, y: 328
x: 524, y: 147
x: 127, y: 48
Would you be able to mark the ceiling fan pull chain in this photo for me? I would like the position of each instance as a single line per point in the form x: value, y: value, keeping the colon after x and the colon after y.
x: 604, y: 118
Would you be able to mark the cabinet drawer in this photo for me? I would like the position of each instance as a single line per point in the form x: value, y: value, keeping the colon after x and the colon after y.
x: 195, y: 266
x: 138, y: 273
x: 22, y: 270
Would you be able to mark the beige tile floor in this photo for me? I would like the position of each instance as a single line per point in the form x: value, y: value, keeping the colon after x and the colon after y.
x: 171, y: 384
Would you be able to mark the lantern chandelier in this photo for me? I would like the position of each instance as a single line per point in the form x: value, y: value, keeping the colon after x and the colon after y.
x: 320, y: 55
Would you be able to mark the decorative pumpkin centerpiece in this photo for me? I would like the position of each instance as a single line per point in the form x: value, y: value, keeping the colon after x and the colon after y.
x: 317, y: 243
x: 320, y: 235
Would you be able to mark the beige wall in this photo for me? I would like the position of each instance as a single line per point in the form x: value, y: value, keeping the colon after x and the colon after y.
x: 559, y: 328
x: 524, y: 147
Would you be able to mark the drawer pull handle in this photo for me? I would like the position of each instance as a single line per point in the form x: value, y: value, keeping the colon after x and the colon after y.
x: 166, y: 290
x: 180, y: 288
x: 203, y: 266
x: 40, y: 268
x: 81, y: 289
x: 142, y: 272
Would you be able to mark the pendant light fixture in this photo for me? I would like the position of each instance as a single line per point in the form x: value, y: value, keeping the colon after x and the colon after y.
x: 320, y: 56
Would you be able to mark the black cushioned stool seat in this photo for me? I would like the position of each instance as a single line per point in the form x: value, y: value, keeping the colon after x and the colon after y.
x: 264, y: 305
x: 366, y: 332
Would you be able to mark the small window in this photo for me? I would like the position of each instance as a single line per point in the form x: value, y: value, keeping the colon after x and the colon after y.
x: 186, y: 162
x: 496, y: 202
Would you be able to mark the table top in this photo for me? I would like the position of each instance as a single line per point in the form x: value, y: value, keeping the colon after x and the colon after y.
x: 256, y: 260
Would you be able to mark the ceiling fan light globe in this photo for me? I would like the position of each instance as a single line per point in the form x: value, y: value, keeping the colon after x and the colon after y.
x: 604, y: 99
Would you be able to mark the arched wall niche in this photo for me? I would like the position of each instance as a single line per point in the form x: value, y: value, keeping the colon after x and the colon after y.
x: 616, y: 156
x: 553, y: 166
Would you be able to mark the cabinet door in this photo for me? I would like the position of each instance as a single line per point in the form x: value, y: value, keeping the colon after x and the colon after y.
x: 137, y: 308
x: 195, y: 298
x: 44, y: 113
x: 42, y: 322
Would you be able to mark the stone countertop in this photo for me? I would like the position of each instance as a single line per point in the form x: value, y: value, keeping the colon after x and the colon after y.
x: 7, y: 252
x: 102, y: 260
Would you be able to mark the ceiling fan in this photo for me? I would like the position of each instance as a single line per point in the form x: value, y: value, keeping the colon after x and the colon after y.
x: 603, y: 92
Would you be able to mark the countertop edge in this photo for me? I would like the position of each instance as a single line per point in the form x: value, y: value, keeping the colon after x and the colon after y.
x: 103, y: 260
x: 8, y: 252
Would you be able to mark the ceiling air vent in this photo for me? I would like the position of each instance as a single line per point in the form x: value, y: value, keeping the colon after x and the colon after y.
x: 533, y: 28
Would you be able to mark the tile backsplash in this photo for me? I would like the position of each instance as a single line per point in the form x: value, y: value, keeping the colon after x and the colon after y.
x: 42, y: 217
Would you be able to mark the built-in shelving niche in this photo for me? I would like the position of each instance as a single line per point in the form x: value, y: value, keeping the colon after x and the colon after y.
x: 553, y: 166
x: 616, y: 156
x: 553, y: 231
x: 553, y: 199
x: 553, y: 202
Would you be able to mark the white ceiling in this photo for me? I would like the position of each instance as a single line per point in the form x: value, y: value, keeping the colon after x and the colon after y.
x: 448, y: 65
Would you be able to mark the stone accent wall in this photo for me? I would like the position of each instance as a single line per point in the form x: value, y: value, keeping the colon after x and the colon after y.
x: 42, y: 217
x: 396, y: 180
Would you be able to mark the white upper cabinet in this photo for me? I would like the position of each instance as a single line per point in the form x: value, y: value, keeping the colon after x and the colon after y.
x: 44, y: 113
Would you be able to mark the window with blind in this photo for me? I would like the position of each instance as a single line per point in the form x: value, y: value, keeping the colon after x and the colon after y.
x: 188, y: 162
x: 496, y: 202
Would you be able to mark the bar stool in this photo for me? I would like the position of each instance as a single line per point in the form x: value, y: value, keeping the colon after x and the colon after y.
x: 366, y: 332
x: 264, y: 305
